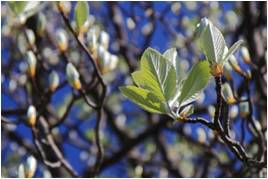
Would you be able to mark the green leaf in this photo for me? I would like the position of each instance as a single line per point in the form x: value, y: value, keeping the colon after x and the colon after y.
x: 195, y: 82
x: 17, y: 7
x: 144, y: 79
x: 172, y: 55
x: 161, y: 71
x: 212, y: 44
x: 81, y: 13
x: 232, y: 50
x: 144, y: 98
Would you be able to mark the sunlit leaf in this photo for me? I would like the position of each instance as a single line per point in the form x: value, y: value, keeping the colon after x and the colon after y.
x: 232, y: 50
x: 17, y: 7
x: 172, y: 55
x: 144, y: 98
x: 81, y: 13
x: 212, y: 43
x: 195, y: 82
x: 161, y: 70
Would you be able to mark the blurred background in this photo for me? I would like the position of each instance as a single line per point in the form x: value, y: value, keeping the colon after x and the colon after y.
x: 136, y: 143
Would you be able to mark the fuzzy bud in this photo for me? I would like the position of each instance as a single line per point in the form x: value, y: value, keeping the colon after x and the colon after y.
x: 31, y: 62
x: 235, y: 65
x: 54, y: 81
x: 62, y: 40
x: 65, y: 7
x: 202, y: 136
x: 233, y: 111
x: 30, y: 167
x: 244, y: 109
x: 73, y: 76
x: 227, y: 94
x: 245, y: 55
x: 104, y: 39
x: 31, y: 115
x: 227, y: 71
x: 41, y: 24
x: 92, y: 40
x: 30, y: 37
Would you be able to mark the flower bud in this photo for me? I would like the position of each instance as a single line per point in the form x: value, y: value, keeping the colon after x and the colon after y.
x: 201, y: 135
x: 227, y: 94
x: 235, y: 65
x: 104, y: 39
x: 92, y: 40
x: 244, y: 109
x: 21, y: 171
x: 65, y: 7
x: 113, y: 62
x: 54, y: 81
x: 73, y: 76
x: 41, y: 24
x: 31, y: 61
x: 62, y: 40
x: 248, y: 74
x: 187, y: 111
x: 31, y: 115
x: 30, y: 167
x: 227, y: 71
x: 211, y: 110
x: 22, y: 19
x: 30, y: 37
x: 245, y: 55
x: 233, y: 111
x: 103, y: 57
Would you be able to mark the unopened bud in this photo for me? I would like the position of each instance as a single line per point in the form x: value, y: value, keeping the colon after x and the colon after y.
x: 73, y: 76
x: 202, y: 136
x: 104, y: 39
x: 21, y: 171
x: 233, y: 111
x: 41, y: 24
x: 30, y: 37
x: 211, y: 110
x: 235, y: 65
x: 31, y: 115
x: 245, y: 55
x: 92, y: 40
x: 30, y: 167
x: 248, y: 74
x: 227, y: 71
x: 227, y: 94
x: 62, y: 40
x: 65, y: 7
x: 31, y: 61
x: 244, y: 109
x: 54, y: 81
x: 22, y: 19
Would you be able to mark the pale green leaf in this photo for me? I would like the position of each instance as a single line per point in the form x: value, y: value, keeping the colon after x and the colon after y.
x: 172, y: 55
x: 144, y: 79
x: 144, y: 98
x: 17, y: 7
x: 195, y: 82
x: 81, y: 13
x: 232, y: 50
x: 212, y: 44
x: 161, y: 71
